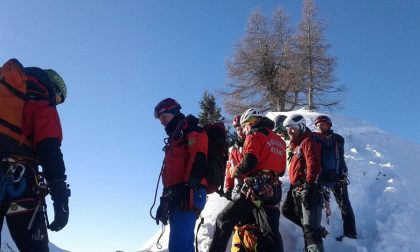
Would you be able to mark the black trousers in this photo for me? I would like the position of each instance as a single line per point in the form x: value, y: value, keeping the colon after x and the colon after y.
x: 341, y: 195
x: 18, y: 212
x: 309, y: 220
x: 240, y: 209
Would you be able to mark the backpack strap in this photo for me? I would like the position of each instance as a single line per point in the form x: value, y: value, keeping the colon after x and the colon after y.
x: 16, y: 92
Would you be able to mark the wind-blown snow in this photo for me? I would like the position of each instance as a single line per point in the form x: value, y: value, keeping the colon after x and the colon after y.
x: 384, y: 172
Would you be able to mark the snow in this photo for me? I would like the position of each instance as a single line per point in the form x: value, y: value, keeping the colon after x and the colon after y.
x: 8, y: 245
x: 384, y: 174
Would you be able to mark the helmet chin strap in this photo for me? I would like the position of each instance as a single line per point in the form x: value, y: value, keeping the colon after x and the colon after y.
x: 302, y: 128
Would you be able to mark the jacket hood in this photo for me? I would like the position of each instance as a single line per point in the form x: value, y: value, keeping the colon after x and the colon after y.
x: 302, y: 136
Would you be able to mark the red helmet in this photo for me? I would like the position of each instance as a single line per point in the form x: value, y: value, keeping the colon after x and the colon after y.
x: 236, y: 121
x: 324, y: 119
x: 167, y: 105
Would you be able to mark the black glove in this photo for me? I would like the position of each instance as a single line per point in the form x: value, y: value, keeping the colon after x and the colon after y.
x: 162, y: 213
x: 60, y: 194
x: 186, y: 197
x: 61, y: 215
x: 307, y: 194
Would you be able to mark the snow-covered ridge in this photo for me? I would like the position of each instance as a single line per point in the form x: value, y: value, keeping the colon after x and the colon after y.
x: 384, y: 172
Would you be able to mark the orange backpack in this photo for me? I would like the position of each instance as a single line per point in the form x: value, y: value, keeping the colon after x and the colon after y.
x: 12, y: 100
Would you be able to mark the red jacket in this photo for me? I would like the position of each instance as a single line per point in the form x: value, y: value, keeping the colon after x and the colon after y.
x: 42, y: 128
x: 310, y: 153
x: 186, y: 152
x: 40, y: 121
x: 235, y: 157
x: 269, y: 150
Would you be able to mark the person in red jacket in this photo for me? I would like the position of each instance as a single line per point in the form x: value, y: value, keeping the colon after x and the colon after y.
x: 22, y: 200
x: 303, y: 204
x: 263, y: 163
x: 341, y: 194
x: 235, y: 157
x: 183, y: 171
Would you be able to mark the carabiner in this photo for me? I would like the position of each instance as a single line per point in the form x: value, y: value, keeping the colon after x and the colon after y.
x: 15, y: 168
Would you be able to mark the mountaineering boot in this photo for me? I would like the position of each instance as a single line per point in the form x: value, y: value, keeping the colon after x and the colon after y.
x: 340, y: 238
x: 323, y: 232
x: 316, y: 247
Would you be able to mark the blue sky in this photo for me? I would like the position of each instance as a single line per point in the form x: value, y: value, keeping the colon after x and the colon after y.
x: 119, y: 58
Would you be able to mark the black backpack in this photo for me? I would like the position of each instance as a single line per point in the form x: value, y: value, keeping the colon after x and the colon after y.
x: 217, y: 156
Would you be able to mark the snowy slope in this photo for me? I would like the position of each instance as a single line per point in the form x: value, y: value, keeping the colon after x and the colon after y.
x: 384, y: 172
x: 8, y: 245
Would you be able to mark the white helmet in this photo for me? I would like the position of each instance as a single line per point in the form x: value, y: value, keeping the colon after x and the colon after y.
x: 295, y: 121
x: 248, y: 114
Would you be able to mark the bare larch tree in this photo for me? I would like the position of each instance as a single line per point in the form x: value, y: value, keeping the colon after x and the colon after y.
x: 262, y: 69
x: 317, y: 67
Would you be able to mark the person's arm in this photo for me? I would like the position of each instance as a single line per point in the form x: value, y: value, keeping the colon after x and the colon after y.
x: 250, y: 159
x: 47, y: 136
x: 312, y: 155
x: 231, y: 163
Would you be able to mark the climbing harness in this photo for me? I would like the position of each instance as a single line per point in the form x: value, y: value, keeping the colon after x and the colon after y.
x: 12, y: 180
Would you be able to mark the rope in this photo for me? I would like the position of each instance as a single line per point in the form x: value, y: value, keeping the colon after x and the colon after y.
x: 196, y: 233
x: 158, y: 245
x: 156, y: 190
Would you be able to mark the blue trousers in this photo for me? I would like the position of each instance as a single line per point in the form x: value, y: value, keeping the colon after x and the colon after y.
x: 181, y: 236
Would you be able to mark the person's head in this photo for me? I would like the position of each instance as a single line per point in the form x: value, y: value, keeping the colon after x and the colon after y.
x: 279, y: 129
x: 166, y: 110
x: 238, y: 128
x: 295, y: 125
x: 249, y: 118
x: 323, y: 123
x: 58, y: 84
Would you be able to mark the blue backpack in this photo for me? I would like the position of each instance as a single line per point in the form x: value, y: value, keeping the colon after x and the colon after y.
x: 329, y: 161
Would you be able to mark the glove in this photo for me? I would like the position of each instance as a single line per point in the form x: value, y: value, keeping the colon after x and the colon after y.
x: 61, y: 214
x: 162, y: 212
x: 186, y: 197
x: 306, y: 194
x: 60, y: 194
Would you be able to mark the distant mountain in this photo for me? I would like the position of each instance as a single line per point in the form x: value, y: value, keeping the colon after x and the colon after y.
x: 384, y: 172
x: 8, y: 245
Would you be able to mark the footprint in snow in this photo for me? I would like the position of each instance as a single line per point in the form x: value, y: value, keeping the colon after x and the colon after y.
x: 377, y: 153
x: 388, y: 165
x: 390, y: 189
